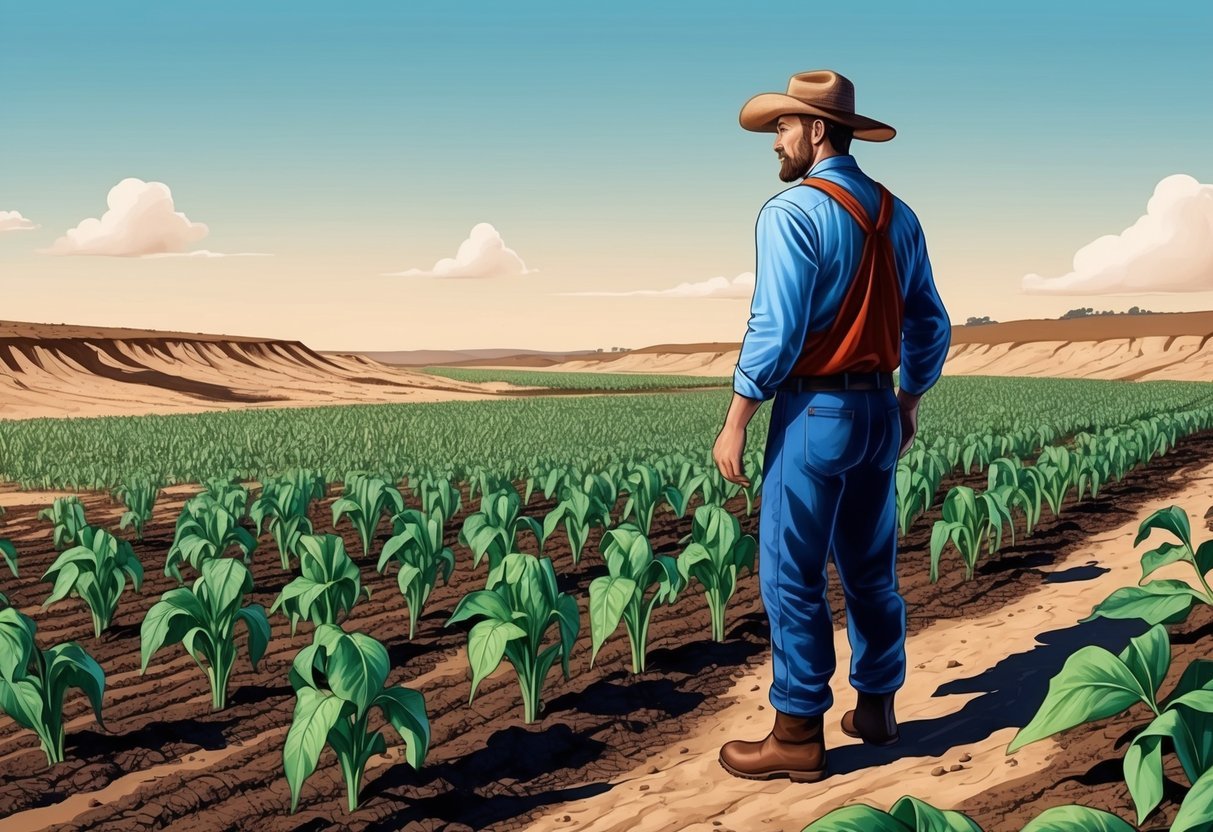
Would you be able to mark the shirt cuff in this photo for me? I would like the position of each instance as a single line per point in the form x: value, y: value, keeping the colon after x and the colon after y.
x: 743, y: 385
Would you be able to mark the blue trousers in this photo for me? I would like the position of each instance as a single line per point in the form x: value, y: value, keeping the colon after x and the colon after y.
x: 828, y: 490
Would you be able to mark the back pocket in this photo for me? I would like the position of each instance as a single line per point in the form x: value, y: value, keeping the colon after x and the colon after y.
x: 832, y: 444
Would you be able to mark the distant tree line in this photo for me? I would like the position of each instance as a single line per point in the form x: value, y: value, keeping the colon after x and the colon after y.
x: 984, y: 319
x: 1086, y: 312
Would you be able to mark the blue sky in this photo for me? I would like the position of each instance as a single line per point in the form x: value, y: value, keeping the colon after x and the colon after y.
x: 350, y: 141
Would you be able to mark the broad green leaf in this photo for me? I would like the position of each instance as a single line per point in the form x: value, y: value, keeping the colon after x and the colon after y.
x: 609, y: 597
x: 1143, y: 763
x: 1172, y: 519
x: 405, y: 709
x: 68, y: 665
x: 258, y: 625
x: 1196, y: 812
x: 858, y: 819
x: 315, y: 715
x: 486, y: 646
x: 1158, y: 602
x: 1093, y: 684
x: 22, y: 700
x: 1148, y: 657
x: 1165, y: 554
x: 1204, y: 557
x: 1077, y: 819
x: 357, y: 670
x: 168, y: 621
x: 1198, y: 674
x: 924, y: 817
x: 481, y: 602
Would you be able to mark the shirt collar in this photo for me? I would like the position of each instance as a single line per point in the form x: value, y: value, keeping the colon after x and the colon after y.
x: 844, y: 160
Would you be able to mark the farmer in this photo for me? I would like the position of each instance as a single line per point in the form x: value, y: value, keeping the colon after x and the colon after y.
x: 843, y: 295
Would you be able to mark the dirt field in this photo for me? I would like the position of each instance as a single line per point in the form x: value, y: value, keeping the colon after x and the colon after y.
x: 612, y: 751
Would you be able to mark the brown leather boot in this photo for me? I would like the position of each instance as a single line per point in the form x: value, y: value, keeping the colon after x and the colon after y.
x: 795, y: 748
x: 872, y: 720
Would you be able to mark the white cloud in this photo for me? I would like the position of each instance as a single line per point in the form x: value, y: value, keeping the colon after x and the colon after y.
x: 13, y: 221
x: 141, y: 222
x: 482, y: 254
x: 740, y: 287
x: 1168, y: 249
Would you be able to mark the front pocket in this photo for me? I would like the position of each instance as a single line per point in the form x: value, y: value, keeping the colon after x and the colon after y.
x: 832, y: 445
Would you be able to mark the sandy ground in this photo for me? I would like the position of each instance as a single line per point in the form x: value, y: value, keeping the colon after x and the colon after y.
x: 683, y: 787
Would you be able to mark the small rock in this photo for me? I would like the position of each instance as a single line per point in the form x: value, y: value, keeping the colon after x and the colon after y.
x: 762, y: 707
x: 565, y: 818
x: 1040, y: 606
x: 653, y: 769
x: 94, y: 803
x: 937, y: 771
x: 684, y: 750
x: 754, y: 688
x: 1012, y: 762
x: 955, y: 767
x: 1010, y: 615
x: 715, y: 823
x: 964, y: 758
x: 920, y: 666
x: 644, y: 787
x: 953, y: 663
x: 964, y: 641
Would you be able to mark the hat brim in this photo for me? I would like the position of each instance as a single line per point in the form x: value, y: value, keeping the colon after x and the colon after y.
x: 761, y: 112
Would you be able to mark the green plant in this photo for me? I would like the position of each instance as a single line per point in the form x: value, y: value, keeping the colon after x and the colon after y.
x: 9, y: 553
x: 632, y: 571
x: 364, y: 501
x: 138, y: 493
x: 718, y: 551
x: 493, y: 530
x: 205, y: 529
x: 519, y: 604
x: 67, y: 515
x: 338, y: 680
x: 645, y: 490
x: 33, y: 682
x: 203, y: 618
x: 233, y: 496
x: 95, y: 571
x: 909, y: 814
x: 1095, y: 684
x: 578, y: 511
x: 330, y: 584
x: 969, y: 521
x: 1163, y: 600
x: 283, y: 506
x: 417, y: 546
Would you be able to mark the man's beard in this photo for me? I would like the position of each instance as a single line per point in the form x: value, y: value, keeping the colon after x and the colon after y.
x: 797, y: 168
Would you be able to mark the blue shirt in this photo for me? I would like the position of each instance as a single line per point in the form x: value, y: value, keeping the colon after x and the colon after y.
x: 808, y: 248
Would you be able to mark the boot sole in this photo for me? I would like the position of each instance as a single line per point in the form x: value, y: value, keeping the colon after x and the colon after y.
x: 794, y: 776
x: 896, y: 739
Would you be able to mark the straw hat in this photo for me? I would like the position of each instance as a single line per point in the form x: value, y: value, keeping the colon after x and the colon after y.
x: 821, y: 92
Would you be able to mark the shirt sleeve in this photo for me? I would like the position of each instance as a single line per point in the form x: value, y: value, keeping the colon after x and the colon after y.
x: 926, y: 330
x: 779, y: 313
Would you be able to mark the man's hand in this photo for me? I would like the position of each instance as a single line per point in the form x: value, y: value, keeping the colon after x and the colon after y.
x: 728, y: 453
x: 909, y: 420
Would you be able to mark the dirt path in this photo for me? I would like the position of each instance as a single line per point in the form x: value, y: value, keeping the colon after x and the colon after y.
x: 973, y: 682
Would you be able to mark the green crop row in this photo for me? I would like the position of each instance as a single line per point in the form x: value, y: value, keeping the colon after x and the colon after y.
x: 593, y: 431
x: 579, y: 381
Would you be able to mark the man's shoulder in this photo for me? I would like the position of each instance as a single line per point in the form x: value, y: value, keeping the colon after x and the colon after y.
x: 799, y: 200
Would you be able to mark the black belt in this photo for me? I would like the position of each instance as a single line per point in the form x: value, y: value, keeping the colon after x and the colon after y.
x: 839, y: 381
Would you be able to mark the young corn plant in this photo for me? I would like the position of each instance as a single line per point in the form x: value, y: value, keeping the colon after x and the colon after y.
x: 329, y: 586
x: 1163, y: 600
x: 578, y: 511
x: 205, y: 530
x: 138, y: 494
x: 717, y: 490
x: 9, y: 554
x: 717, y: 553
x: 493, y: 530
x: 339, y: 679
x: 416, y: 545
x: 1095, y: 684
x: 632, y: 571
x: 203, y: 619
x: 519, y: 604
x: 645, y: 490
x: 969, y: 521
x: 282, y: 507
x: 364, y: 501
x: 679, y: 492
x: 914, y: 495
x: 67, y: 515
x: 33, y: 682
x: 95, y: 571
x: 437, y: 494
x: 233, y: 496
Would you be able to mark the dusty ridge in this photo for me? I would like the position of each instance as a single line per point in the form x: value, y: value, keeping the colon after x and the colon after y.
x: 48, y: 370
x: 1175, y: 346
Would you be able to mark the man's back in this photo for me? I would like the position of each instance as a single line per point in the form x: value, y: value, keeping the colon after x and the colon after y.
x: 808, y: 249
